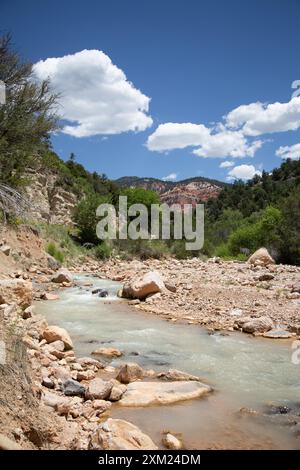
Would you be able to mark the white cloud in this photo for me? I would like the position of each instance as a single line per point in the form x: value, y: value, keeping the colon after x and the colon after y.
x: 96, y: 97
x: 258, y: 118
x: 244, y: 172
x: 228, y: 144
x: 226, y: 164
x: 210, y: 143
x: 292, y: 152
x: 170, y: 177
x: 170, y: 136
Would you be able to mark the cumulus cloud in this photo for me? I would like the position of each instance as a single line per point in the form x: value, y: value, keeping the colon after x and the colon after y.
x: 171, y: 135
x: 292, y: 152
x: 226, y: 164
x: 228, y: 144
x: 218, y: 142
x: 96, y: 97
x: 257, y: 118
x: 170, y: 177
x: 243, y: 172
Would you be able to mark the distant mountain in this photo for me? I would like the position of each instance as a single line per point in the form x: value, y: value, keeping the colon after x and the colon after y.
x: 188, y: 191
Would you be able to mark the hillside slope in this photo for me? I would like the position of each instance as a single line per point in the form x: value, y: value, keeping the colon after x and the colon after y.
x: 189, y: 191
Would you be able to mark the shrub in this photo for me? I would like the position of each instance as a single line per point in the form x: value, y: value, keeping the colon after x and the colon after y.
x: 55, y: 252
x: 103, y: 251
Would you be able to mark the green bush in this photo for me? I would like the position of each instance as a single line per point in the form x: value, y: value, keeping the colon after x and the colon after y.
x: 55, y: 252
x: 103, y: 251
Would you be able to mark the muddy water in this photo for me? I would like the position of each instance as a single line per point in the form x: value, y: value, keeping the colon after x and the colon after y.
x: 245, y: 372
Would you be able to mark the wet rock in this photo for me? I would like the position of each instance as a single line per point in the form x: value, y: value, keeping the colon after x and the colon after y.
x: 130, y: 372
x: 107, y: 352
x: 171, y: 442
x: 261, y: 257
x: 162, y: 393
x: 73, y: 388
x: 274, y: 409
x: 49, y: 296
x: 150, y: 283
x: 117, y: 434
x: 98, y: 389
x: 63, y: 275
x: 176, y: 375
x: 258, y: 325
x: 277, y: 334
x: 55, y: 333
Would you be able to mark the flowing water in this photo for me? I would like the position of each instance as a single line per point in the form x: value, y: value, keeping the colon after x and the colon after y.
x: 244, y: 371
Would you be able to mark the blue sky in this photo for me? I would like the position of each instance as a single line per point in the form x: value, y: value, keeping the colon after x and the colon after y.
x: 196, y: 60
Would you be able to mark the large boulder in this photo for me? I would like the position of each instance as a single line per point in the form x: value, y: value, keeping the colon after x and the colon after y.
x: 261, y: 257
x: 258, y: 325
x: 140, y: 288
x: 16, y: 291
x: 117, y: 434
x: 162, y: 393
x: 98, y: 389
x: 63, y: 275
x: 56, y: 333
x: 129, y: 373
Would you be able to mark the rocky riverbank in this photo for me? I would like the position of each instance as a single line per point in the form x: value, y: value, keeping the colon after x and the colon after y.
x: 219, y: 295
x: 53, y: 399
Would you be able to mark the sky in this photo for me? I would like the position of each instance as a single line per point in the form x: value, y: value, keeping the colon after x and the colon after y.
x: 167, y: 89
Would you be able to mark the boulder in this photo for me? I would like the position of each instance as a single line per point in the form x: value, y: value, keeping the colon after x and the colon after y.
x: 107, y: 352
x: 56, y: 333
x: 171, y: 442
x: 129, y: 373
x: 117, y: 434
x: 258, y: 325
x: 73, y: 388
x: 63, y: 275
x: 16, y: 291
x: 162, y: 393
x: 98, y: 389
x: 261, y: 257
x: 117, y: 392
x: 175, y: 375
x: 149, y: 284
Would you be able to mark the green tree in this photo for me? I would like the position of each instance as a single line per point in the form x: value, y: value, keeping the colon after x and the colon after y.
x: 27, y: 118
x: 85, y: 217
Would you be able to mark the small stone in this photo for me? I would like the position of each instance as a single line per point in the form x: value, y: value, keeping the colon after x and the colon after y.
x: 171, y: 442
x: 73, y: 388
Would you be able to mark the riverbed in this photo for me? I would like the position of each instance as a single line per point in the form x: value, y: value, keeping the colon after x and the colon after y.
x: 245, y: 372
